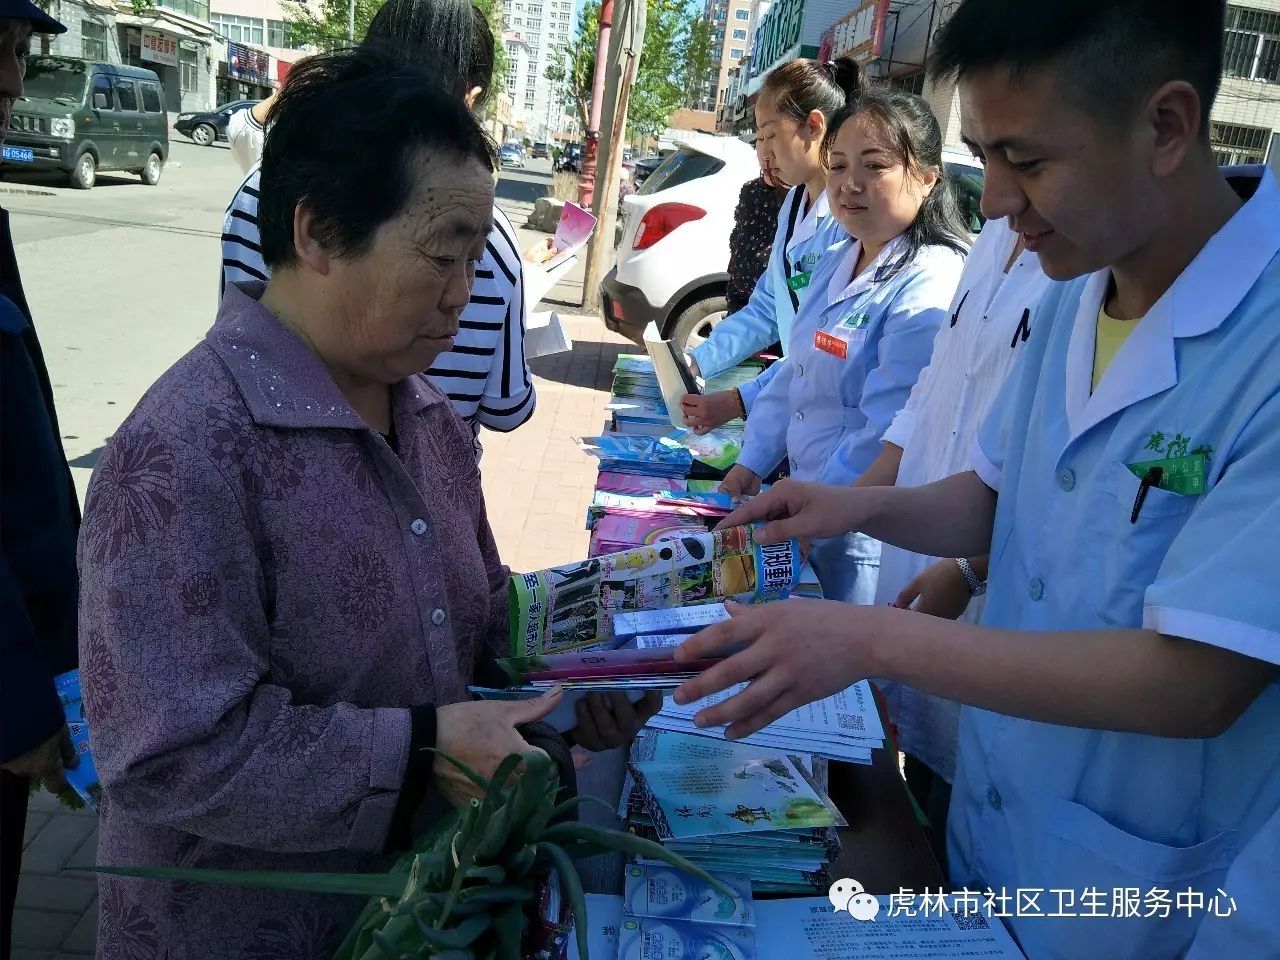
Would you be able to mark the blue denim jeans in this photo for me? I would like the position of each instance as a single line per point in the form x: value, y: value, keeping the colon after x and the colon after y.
x: 847, y: 567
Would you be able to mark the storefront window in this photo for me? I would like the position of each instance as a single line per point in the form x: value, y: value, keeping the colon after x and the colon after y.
x: 188, y: 65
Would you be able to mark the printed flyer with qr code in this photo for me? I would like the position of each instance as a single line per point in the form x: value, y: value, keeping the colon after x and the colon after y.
x: 572, y: 607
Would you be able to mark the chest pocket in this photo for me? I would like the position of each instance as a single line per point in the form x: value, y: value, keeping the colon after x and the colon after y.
x: 1132, y: 553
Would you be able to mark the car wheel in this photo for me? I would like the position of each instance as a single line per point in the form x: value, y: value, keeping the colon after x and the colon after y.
x: 85, y: 173
x: 204, y: 135
x: 151, y: 172
x: 696, y: 321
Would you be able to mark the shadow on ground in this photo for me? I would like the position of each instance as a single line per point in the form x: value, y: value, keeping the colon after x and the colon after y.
x: 575, y: 369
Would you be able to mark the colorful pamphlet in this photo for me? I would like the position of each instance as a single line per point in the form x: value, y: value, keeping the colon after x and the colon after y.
x: 573, y: 607
x: 649, y: 938
x: 671, y: 894
x: 718, y: 449
x: 681, y: 620
x: 84, y: 776
x: 637, y: 454
x: 675, y: 379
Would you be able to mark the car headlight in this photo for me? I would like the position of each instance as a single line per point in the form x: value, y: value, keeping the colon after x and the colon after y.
x: 62, y: 127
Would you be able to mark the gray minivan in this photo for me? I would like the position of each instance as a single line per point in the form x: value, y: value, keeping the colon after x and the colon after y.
x: 81, y: 116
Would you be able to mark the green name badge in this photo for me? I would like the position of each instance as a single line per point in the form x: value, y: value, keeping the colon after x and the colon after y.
x: 1183, y: 475
x: 855, y: 321
x: 800, y: 280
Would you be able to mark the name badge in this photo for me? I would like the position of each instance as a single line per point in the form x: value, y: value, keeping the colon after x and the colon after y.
x: 832, y: 345
x: 800, y: 280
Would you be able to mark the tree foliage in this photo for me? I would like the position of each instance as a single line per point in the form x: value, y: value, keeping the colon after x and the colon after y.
x: 324, y: 27
x: 676, y: 52
x: 698, y: 59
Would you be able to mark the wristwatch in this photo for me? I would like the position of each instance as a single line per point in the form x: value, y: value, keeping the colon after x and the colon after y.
x: 977, y: 587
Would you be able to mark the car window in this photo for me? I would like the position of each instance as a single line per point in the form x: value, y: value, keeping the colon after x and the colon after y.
x: 150, y: 97
x: 967, y: 182
x: 102, y: 84
x: 681, y: 167
x: 127, y: 94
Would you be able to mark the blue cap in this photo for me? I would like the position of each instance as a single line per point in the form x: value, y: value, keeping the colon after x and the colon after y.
x: 41, y: 22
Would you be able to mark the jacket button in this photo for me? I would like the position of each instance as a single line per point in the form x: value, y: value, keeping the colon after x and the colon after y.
x: 419, y: 527
x: 1035, y: 589
x: 800, y: 415
x: 994, y: 800
x: 1067, y: 479
x: 437, y: 616
x: 799, y: 369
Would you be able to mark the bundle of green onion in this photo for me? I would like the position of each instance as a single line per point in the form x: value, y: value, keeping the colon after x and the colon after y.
x: 467, y: 889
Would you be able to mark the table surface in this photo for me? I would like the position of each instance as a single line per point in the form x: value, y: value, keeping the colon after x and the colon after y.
x: 884, y: 847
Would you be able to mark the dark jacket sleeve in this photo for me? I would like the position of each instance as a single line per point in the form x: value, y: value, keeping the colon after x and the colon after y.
x: 29, y: 710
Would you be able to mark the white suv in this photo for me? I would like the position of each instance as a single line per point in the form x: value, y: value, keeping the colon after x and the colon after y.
x: 673, y: 257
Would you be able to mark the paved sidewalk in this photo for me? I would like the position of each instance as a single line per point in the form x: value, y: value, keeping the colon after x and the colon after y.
x: 537, y: 484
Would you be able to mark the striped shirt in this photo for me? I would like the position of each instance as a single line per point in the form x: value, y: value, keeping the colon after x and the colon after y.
x: 485, y: 374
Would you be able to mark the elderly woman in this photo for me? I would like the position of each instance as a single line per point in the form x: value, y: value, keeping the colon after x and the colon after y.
x: 288, y: 575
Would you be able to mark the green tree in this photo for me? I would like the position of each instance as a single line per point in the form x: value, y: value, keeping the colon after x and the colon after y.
x: 324, y: 26
x: 697, y: 59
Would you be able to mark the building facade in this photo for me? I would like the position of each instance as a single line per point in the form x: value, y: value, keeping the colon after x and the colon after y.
x: 544, y: 27
x: 257, y: 47
x: 731, y: 23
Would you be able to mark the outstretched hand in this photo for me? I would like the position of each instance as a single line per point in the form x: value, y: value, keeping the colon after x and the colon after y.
x: 793, y: 653
x: 792, y: 510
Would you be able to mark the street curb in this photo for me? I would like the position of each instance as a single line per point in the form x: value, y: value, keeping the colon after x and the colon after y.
x: 27, y: 191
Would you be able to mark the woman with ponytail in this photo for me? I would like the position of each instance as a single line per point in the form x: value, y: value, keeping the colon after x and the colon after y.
x: 795, y: 105
x: 867, y: 328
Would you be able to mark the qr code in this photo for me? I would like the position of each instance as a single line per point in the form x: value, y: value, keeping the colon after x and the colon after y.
x: 850, y: 721
x: 970, y: 921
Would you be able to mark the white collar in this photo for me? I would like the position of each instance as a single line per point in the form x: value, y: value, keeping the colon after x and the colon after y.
x: 840, y: 288
x: 1198, y: 302
x: 808, y: 224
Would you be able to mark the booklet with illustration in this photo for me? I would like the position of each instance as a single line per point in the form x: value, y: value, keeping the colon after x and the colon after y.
x: 675, y: 379
x: 572, y: 607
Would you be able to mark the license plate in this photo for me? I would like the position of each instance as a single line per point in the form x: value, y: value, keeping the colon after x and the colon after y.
x: 19, y: 154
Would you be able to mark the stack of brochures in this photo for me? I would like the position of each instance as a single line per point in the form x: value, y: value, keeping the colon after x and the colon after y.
x: 668, y: 914
x: 764, y: 813
x: 925, y: 927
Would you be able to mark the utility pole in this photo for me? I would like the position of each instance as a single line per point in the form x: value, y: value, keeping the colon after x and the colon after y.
x: 351, y: 20
x: 586, y: 186
x: 624, y: 63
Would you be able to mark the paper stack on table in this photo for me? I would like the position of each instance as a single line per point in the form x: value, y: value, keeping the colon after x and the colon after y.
x: 844, y: 726
x: 810, y: 928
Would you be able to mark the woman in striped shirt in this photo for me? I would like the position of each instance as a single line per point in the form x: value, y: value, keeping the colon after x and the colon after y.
x: 485, y: 374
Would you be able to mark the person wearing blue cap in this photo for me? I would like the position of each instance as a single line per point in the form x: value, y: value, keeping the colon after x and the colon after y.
x: 40, y: 517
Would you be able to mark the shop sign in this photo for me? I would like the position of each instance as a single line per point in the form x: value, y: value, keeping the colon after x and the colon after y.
x: 858, y: 35
x: 248, y: 63
x: 777, y: 36
x: 159, y: 47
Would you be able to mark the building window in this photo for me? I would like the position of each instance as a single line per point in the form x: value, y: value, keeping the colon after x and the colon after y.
x: 239, y: 29
x: 192, y: 8
x: 742, y: 14
x: 735, y: 53
x: 278, y: 35
x: 1235, y: 144
x: 189, y: 79
x: 739, y: 34
x: 910, y: 82
x: 93, y: 40
x: 1251, y: 44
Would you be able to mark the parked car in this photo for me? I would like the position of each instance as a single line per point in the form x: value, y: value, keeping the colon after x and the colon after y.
x: 82, y: 116
x: 642, y: 169
x: 570, y: 159
x: 673, y: 248
x: 541, y: 151
x: 206, y: 129
x: 673, y: 256
x: 511, y: 156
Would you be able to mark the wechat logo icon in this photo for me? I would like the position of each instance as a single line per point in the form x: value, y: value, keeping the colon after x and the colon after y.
x: 848, y: 895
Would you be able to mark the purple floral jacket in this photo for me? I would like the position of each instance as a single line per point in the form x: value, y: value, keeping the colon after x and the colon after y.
x: 266, y: 588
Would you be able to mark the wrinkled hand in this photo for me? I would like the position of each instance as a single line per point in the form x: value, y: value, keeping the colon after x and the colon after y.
x: 704, y: 412
x: 794, y: 652
x: 740, y: 482
x: 939, y: 590
x: 482, y: 734
x: 611, y: 720
x: 793, y: 510
x: 47, y: 763
x: 540, y: 251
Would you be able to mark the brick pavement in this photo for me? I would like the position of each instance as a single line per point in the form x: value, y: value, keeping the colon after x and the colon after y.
x: 537, y: 484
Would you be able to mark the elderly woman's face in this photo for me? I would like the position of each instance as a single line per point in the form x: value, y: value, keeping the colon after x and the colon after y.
x: 402, y: 299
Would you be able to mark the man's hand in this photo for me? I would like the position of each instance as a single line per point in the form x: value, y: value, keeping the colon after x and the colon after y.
x: 740, y: 482
x: 939, y: 590
x: 706, y: 411
x: 796, y: 652
x: 482, y: 734
x: 611, y: 720
x: 47, y: 763
x: 799, y: 511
